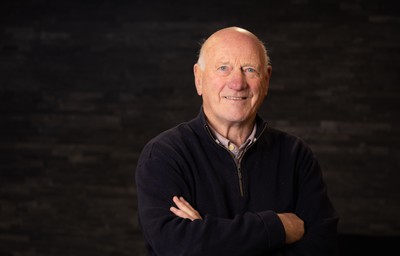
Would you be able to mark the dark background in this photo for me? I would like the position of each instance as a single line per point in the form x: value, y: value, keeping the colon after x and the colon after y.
x: 85, y: 84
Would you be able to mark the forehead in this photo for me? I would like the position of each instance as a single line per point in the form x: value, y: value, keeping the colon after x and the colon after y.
x: 230, y: 49
x: 235, y: 55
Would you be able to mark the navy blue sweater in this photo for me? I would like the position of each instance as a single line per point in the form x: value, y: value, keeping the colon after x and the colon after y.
x: 278, y: 173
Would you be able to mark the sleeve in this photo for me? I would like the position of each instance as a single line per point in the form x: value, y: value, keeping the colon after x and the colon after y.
x: 315, y: 208
x: 158, y: 178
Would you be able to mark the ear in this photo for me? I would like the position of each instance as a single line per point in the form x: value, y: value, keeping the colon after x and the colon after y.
x: 267, y: 78
x: 198, y: 78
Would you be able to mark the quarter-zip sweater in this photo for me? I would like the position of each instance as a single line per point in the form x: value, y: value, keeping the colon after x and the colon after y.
x: 238, y: 202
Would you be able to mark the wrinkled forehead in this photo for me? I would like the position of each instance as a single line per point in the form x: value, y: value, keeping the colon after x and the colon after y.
x: 243, y: 50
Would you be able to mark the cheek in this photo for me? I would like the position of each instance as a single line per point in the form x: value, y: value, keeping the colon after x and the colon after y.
x: 214, y: 84
x: 262, y: 87
x: 256, y: 87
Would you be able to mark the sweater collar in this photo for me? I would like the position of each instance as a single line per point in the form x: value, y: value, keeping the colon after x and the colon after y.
x: 201, y: 121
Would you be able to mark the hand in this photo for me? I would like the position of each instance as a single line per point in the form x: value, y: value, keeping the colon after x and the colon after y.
x: 184, y: 210
x: 294, y: 227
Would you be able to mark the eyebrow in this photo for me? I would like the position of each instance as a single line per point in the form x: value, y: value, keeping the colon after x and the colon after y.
x: 223, y: 61
x: 249, y: 64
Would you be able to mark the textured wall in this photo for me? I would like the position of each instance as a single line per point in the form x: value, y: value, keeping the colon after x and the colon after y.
x: 84, y: 84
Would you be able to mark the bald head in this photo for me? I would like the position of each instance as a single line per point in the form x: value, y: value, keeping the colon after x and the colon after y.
x: 229, y: 36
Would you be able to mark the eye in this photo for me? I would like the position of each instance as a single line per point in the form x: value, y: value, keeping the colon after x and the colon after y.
x: 250, y: 70
x: 223, y: 68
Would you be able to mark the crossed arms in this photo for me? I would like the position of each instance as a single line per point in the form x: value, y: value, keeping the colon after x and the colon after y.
x: 293, y: 225
x: 286, y: 208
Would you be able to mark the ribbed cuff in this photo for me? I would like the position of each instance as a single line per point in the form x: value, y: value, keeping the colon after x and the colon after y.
x: 274, y: 229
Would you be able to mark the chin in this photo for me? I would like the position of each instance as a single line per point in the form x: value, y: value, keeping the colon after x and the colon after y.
x: 237, y: 118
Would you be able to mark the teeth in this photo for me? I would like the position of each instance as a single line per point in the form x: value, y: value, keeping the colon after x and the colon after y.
x: 234, y: 98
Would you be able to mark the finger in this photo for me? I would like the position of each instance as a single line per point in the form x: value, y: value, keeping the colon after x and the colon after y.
x: 182, y: 204
x: 187, y: 204
x: 192, y: 212
x: 179, y: 213
x: 181, y: 210
x: 188, y: 210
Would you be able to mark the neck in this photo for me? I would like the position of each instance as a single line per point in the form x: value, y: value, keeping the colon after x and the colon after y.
x: 236, y: 132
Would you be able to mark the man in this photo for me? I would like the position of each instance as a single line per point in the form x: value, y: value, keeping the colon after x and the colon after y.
x: 225, y: 183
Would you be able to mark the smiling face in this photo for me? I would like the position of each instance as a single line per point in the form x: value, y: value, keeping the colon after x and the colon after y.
x: 232, y: 77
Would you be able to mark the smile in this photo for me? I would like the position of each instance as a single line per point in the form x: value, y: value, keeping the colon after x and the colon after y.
x: 234, y: 98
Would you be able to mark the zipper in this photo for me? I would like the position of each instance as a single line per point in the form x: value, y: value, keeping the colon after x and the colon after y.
x: 239, y: 172
x: 238, y: 164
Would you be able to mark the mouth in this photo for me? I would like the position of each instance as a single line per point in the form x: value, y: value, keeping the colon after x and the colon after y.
x: 234, y: 98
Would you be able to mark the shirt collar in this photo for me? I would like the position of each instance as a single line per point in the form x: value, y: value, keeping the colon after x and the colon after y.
x: 230, y: 145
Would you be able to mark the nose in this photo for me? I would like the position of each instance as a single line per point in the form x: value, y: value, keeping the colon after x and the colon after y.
x: 237, y: 80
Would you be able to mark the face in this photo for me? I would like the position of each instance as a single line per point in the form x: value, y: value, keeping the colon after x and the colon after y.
x: 233, y: 80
